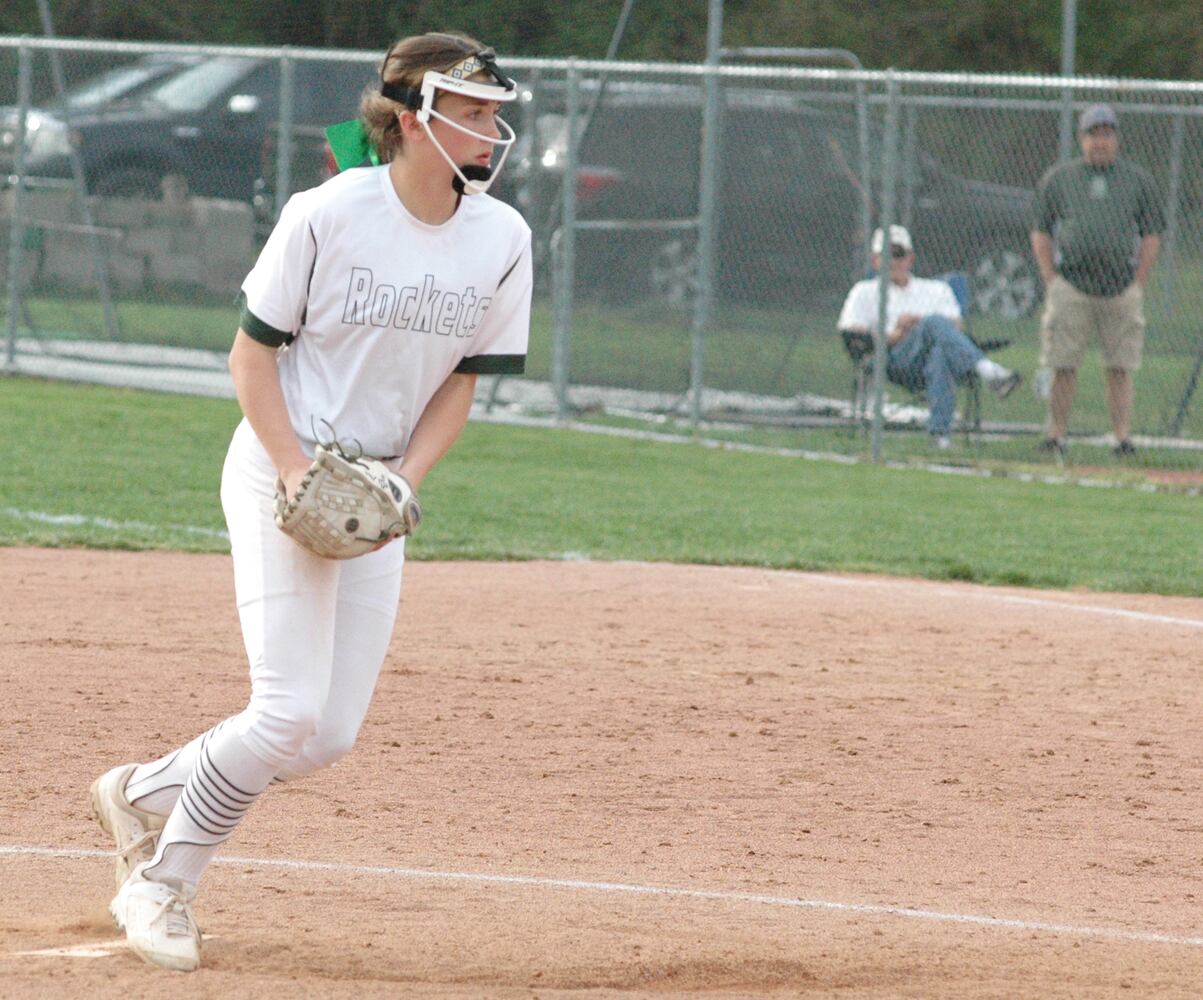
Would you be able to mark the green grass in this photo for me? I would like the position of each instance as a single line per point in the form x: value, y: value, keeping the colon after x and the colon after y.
x: 756, y: 350
x: 1011, y: 455
x: 774, y: 352
x: 151, y: 464
x: 165, y: 320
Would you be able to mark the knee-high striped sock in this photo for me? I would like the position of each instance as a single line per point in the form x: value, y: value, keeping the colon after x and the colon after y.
x: 155, y: 787
x: 225, y: 782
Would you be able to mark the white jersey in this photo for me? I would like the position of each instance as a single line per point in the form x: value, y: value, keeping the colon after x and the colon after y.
x: 377, y: 308
x: 921, y: 296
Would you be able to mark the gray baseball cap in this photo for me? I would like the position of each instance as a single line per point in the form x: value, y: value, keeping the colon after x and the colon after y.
x: 1097, y: 115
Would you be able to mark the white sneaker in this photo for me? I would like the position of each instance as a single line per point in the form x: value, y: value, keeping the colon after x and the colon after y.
x: 942, y: 441
x: 1006, y: 384
x: 158, y: 922
x: 136, y: 832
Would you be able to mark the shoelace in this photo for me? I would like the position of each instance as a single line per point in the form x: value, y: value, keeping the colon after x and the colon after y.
x: 149, y: 838
x: 176, y: 920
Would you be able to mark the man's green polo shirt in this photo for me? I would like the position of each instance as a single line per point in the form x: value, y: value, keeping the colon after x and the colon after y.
x: 1098, y: 216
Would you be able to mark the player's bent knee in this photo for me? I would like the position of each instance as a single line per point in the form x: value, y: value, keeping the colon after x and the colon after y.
x: 327, y: 748
x: 279, y: 736
x: 318, y: 754
x: 330, y: 750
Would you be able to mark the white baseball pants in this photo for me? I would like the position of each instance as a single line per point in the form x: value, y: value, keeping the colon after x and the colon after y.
x: 316, y: 630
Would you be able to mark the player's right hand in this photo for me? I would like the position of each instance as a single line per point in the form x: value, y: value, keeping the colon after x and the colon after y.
x: 291, y: 478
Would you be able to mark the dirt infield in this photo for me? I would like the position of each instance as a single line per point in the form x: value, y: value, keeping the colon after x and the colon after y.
x: 584, y: 779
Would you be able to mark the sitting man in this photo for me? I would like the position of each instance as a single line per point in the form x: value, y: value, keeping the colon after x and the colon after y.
x: 927, y: 351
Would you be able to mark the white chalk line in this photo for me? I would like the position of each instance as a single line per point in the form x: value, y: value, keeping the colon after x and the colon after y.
x: 980, y: 592
x: 96, y: 949
x: 716, y: 895
x: 90, y: 949
x: 912, y: 586
x: 1142, y: 616
x: 82, y: 521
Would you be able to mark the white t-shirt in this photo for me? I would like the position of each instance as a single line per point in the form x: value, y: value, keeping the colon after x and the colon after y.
x: 921, y: 296
x: 377, y: 308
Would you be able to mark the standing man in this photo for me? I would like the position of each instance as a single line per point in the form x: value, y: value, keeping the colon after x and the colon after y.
x: 1098, y: 228
x: 926, y: 348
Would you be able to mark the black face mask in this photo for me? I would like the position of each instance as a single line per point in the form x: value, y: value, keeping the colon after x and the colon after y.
x: 472, y: 171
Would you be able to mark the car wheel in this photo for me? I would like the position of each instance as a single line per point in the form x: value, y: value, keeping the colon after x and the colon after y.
x: 128, y: 182
x: 1005, y: 284
x: 673, y: 273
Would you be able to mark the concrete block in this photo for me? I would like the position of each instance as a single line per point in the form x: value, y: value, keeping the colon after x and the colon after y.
x: 199, y: 242
x: 224, y: 277
x: 227, y: 227
x: 170, y: 214
x: 185, y: 240
x: 127, y: 272
x: 45, y: 205
x: 69, y: 262
x: 146, y: 242
x: 175, y: 269
x: 124, y: 213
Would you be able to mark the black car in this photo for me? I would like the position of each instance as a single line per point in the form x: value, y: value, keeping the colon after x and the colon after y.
x: 47, y: 133
x: 790, y: 219
x: 206, y: 124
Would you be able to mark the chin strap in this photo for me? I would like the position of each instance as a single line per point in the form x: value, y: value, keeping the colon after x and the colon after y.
x: 468, y: 179
x: 351, y: 148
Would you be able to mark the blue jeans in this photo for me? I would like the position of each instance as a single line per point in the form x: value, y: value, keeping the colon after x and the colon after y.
x: 933, y: 358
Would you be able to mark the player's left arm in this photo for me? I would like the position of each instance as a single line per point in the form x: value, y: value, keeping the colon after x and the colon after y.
x: 441, y: 423
x: 1150, y: 223
x: 1146, y: 257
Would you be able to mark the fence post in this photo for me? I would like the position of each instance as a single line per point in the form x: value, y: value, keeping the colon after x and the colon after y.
x: 1069, y: 35
x: 889, y: 173
x: 866, y: 174
x: 908, y: 170
x: 99, y: 259
x: 563, y: 251
x: 707, y: 208
x: 16, y: 231
x: 284, y: 134
x: 1169, y: 264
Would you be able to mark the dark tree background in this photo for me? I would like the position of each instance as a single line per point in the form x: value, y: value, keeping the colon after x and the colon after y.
x: 1162, y: 40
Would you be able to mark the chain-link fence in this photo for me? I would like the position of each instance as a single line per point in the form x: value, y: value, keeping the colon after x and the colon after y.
x: 695, y: 269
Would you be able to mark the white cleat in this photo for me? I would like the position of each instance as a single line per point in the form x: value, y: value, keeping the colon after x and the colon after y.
x: 135, y: 831
x: 158, y: 922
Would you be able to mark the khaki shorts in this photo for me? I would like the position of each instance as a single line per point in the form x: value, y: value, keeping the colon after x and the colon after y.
x: 1072, y: 317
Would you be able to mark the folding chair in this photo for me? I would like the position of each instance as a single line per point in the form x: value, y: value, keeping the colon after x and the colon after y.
x: 859, y: 347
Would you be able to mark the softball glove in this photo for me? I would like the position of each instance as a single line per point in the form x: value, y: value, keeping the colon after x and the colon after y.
x: 347, y: 505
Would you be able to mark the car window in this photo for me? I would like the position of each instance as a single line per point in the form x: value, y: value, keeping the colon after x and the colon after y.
x: 123, y: 81
x: 196, y: 88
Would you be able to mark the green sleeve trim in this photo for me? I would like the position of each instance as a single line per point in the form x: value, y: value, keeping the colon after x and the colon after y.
x: 493, y: 364
x: 259, y: 331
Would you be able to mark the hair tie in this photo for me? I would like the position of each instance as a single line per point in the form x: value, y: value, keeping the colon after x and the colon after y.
x: 350, y: 144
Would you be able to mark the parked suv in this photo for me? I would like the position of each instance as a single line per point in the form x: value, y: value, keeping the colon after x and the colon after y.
x: 789, y: 202
x: 206, y: 124
x: 46, y: 130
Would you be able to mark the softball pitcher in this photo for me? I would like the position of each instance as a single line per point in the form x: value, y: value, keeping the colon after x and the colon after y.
x: 375, y: 304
